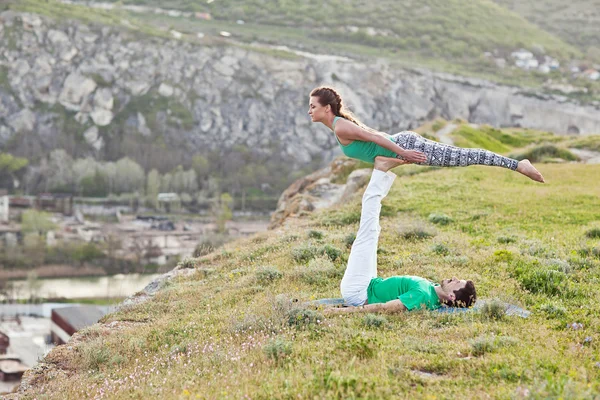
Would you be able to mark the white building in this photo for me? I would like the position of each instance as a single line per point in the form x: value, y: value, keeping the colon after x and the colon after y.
x: 4, y: 208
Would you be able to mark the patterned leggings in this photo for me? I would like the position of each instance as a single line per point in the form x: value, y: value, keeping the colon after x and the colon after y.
x: 444, y: 155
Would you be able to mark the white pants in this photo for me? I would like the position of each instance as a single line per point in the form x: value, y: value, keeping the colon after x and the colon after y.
x: 362, y: 264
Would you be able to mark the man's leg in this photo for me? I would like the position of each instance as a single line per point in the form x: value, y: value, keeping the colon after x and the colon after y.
x: 362, y: 264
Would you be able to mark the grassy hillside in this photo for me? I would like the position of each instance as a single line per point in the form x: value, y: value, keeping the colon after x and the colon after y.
x: 449, y: 36
x: 575, y: 22
x: 232, y: 330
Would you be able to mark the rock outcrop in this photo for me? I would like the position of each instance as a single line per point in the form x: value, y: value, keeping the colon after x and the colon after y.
x: 332, y: 185
x: 199, y: 97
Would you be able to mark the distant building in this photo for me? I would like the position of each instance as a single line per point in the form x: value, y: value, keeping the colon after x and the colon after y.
x: 11, y: 368
x: 4, y: 342
x: 168, y: 201
x: 4, y: 201
x: 591, y: 74
x: 68, y: 320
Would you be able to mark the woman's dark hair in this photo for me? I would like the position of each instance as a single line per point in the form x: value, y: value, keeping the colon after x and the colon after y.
x: 465, y: 297
x: 329, y: 96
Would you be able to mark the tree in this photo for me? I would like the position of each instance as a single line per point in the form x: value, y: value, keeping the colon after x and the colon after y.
x: 129, y: 176
x: 153, y: 188
x: 223, y: 211
x: 60, y: 171
x: 39, y: 222
x: 84, y: 168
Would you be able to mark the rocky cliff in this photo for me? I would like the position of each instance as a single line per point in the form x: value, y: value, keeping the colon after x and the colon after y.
x: 91, y: 89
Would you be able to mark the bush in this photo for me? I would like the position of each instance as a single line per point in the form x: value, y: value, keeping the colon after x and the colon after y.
x: 375, y: 321
x: 267, y: 275
x: 278, y: 349
x: 416, y: 233
x: 360, y: 346
x: 306, y: 253
x: 319, y: 272
x: 349, y: 239
x: 315, y: 235
x: 489, y: 344
x: 302, y: 317
x: 507, y: 239
x: 546, y: 281
x: 440, y: 249
x: 440, y: 219
x: 553, y: 310
x: 593, y: 233
x: 493, y: 310
x: 545, y: 151
x: 503, y: 256
x: 188, y: 262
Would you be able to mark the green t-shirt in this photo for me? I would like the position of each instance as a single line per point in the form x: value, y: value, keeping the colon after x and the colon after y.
x: 414, y: 292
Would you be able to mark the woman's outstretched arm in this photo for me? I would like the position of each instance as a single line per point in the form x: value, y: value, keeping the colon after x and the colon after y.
x: 350, y: 131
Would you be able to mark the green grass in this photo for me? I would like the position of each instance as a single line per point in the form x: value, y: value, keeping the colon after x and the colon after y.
x: 238, y: 331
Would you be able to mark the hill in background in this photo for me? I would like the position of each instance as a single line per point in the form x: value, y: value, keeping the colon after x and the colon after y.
x: 466, y: 38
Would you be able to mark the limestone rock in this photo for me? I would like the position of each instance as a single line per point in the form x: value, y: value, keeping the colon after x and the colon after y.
x: 57, y: 38
x: 23, y: 121
x: 75, y: 89
x: 101, y: 116
x: 103, y: 98
x: 142, y: 127
x: 5, y: 135
x: 92, y: 138
x: 165, y: 90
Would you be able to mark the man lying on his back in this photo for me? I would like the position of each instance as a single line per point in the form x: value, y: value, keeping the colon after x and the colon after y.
x: 363, y: 291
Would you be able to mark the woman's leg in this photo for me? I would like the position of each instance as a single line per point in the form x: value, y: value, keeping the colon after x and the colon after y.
x: 444, y: 155
x: 362, y: 263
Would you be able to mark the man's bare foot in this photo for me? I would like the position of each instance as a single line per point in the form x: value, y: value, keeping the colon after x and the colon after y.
x: 529, y: 171
x: 386, y: 163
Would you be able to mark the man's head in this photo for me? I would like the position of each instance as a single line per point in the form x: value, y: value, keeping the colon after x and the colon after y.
x: 458, y: 292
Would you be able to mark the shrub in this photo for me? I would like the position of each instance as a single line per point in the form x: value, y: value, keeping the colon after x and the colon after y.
x: 278, y: 349
x: 360, y: 346
x: 375, y: 321
x: 267, y: 275
x: 302, y: 317
x: 304, y: 253
x: 489, y: 344
x: 546, y: 281
x: 315, y: 235
x: 319, y: 272
x: 507, y: 239
x: 188, y: 262
x: 593, y: 233
x: 440, y: 249
x: 503, y: 256
x: 332, y: 252
x: 439, y: 219
x: 415, y: 232
x: 545, y: 151
x: 349, y: 239
x: 493, y: 310
x: 553, y: 310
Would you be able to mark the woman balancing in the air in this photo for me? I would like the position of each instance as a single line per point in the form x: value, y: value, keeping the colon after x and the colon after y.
x: 361, y: 142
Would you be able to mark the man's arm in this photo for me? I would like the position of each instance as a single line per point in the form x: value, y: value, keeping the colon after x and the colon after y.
x: 393, y: 306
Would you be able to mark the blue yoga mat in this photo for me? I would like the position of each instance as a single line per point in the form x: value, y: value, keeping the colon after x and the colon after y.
x: 509, y: 309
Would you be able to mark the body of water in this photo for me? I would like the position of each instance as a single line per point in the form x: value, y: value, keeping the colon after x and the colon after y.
x: 82, y: 287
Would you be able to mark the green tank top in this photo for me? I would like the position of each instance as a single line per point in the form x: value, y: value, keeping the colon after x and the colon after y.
x: 364, y: 151
x: 413, y: 291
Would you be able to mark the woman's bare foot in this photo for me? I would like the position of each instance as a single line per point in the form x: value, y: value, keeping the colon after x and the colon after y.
x: 529, y: 171
x: 386, y: 163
